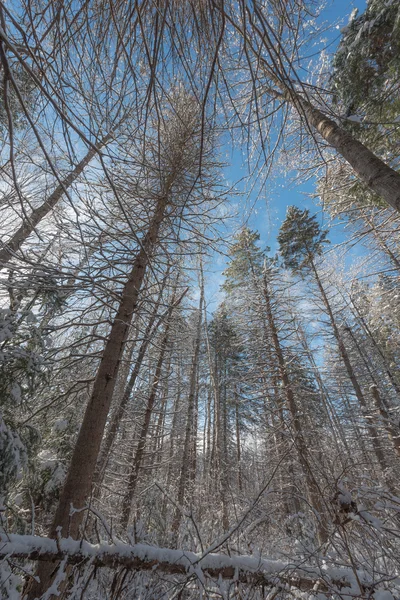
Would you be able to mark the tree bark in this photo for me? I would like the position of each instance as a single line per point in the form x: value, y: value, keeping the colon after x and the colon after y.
x: 378, y: 176
x: 242, y: 568
x: 120, y: 409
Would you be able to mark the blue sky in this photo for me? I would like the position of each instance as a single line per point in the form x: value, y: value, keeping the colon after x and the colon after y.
x: 267, y: 213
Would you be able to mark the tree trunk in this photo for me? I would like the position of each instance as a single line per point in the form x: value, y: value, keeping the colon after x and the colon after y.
x: 189, y: 432
x: 38, y: 214
x: 373, y: 433
x: 78, y: 484
x: 238, y: 443
x: 120, y: 409
x: 159, y: 437
x: 304, y: 458
x: 378, y: 176
x: 138, y: 457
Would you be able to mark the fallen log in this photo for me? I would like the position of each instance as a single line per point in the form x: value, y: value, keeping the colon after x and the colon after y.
x: 242, y: 568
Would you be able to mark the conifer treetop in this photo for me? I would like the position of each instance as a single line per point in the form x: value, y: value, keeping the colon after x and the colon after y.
x: 300, y: 239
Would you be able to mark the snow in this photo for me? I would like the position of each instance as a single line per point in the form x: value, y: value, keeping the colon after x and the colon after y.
x: 383, y: 595
x: 355, y: 118
x: 60, y: 425
x: 16, y: 392
x: 190, y: 561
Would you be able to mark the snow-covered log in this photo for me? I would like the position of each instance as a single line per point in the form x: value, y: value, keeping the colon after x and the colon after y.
x: 242, y: 568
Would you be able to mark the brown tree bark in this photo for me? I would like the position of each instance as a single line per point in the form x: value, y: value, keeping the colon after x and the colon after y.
x: 378, y: 176
x: 117, y: 415
x: 179, y: 562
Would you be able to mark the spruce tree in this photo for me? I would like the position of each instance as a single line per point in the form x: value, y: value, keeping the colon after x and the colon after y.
x: 301, y: 242
x: 300, y: 239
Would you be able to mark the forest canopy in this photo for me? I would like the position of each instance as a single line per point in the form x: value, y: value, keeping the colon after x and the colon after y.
x: 199, y: 306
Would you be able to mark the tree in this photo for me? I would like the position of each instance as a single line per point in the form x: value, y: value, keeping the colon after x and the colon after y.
x: 176, y: 171
x: 250, y: 265
x: 301, y: 243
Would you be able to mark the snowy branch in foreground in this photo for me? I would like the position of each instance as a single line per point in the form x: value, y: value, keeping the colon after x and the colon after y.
x: 244, y: 569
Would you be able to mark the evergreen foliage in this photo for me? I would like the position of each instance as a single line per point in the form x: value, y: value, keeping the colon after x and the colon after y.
x: 300, y: 239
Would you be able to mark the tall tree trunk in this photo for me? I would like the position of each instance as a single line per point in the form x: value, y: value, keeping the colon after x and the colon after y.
x: 78, y: 484
x: 158, y: 441
x: 38, y: 214
x: 373, y: 433
x: 138, y: 456
x: 304, y: 457
x: 174, y: 434
x: 378, y: 176
x: 238, y: 443
x: 120, y: 408
x: 208, y: 427
x: 217, y: 467
x: 190, y: 433
x: 223, y: 450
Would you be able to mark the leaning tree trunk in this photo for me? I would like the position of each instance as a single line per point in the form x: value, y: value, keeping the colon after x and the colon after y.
x: 378, y: 176
x: 120, y: 408
x: 79, y: 480
x: 38, y: 214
